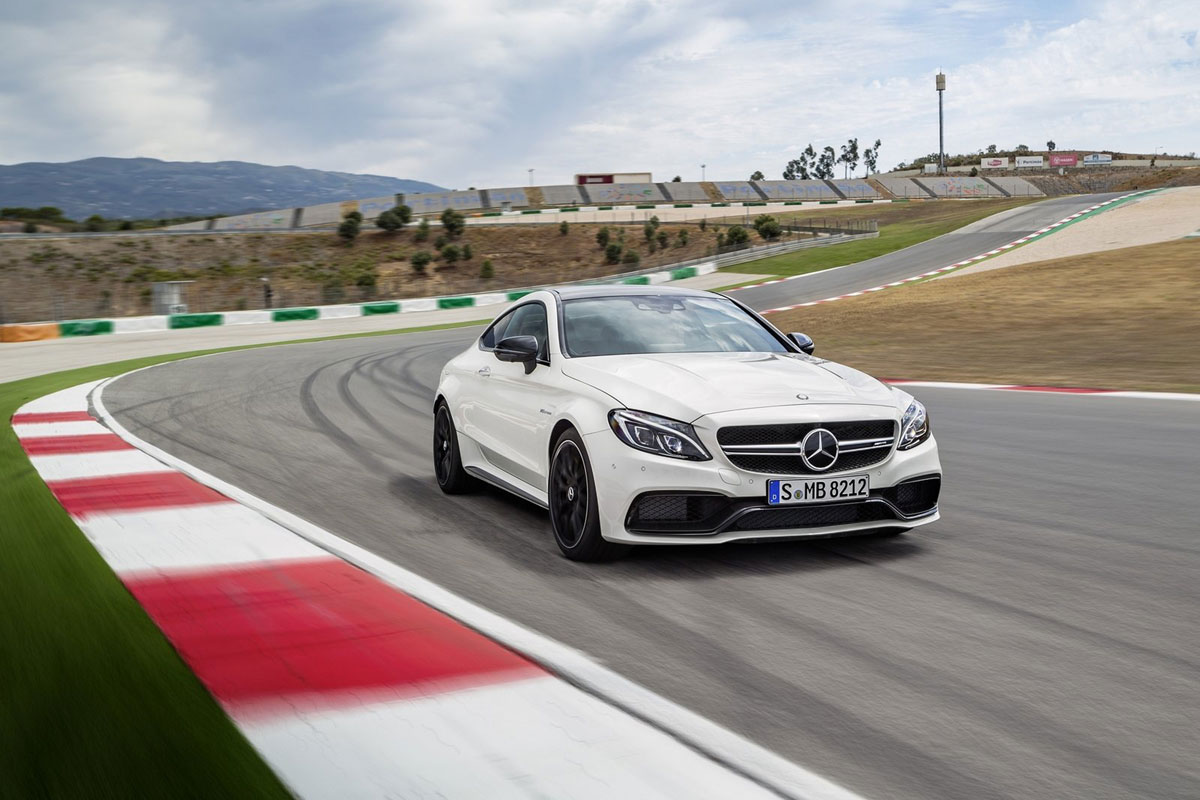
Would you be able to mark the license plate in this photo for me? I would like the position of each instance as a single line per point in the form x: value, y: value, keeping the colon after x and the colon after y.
x: 818, y: 490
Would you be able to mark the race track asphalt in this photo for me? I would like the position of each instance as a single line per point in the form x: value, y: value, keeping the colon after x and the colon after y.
x: 980, y: 237
x: 1041, y: 640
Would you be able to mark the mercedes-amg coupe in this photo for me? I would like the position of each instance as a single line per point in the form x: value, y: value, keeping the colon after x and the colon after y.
x: 654, y: 415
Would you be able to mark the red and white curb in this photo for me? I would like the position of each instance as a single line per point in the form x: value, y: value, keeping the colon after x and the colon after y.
x: 949, y: 268
x: 1018, y: 387
x: 354, y: 677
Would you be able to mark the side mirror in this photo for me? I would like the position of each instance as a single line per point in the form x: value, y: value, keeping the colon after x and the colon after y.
x: 803, y: 341
x: 523, y: 349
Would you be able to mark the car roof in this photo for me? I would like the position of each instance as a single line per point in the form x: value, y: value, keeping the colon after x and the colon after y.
x: 621, y: 290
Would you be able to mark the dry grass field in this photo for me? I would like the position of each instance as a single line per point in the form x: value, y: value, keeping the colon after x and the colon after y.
x: 1122, y: 319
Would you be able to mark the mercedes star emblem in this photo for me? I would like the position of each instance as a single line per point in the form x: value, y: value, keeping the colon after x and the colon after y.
x: 819, y: 449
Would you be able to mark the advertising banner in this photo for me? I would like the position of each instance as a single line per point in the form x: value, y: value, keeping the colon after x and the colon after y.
x: 931, y: 169
x: 1097, y: 158
x: 1030, y: 161
x: 1063, y: 159
x: 993, y: 163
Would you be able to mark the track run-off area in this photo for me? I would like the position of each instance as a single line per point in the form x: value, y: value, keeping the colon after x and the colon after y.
x: 1039, y: 641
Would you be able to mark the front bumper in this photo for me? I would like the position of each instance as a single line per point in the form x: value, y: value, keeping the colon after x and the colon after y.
x: 734, y: 507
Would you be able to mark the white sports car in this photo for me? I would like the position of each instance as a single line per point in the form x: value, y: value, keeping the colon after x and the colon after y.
x: 652, y: 415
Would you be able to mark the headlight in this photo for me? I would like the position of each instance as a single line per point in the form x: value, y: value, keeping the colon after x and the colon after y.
x: 914, y: 426
x: 654, y: 434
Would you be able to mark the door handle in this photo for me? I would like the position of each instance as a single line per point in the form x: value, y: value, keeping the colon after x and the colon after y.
x: 484, y: 371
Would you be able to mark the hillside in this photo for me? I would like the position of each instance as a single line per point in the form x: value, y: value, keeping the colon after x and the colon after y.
x: 150, y: 188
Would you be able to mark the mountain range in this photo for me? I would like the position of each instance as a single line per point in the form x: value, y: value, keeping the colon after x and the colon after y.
x: 147, y: 188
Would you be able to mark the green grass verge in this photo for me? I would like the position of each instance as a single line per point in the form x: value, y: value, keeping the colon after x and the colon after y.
x: 94, y: 702
x: 892, y: 237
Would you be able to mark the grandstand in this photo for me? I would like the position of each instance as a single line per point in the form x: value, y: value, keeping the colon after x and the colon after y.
x: 609, y: 193
x: 796, y: 190
x: 437, y: 202
x: 562, y: 195
x: 856, y: 189
x: 684, y: 192
x: 738, y: 191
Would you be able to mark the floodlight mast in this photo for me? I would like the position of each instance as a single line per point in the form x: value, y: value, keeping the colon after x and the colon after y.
x: 941, y: 87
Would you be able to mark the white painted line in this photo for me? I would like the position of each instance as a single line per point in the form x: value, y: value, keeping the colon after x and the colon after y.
x: 91, y: 465
x: 556, y: 742
x: 712, y: 740
x: 38, y: 430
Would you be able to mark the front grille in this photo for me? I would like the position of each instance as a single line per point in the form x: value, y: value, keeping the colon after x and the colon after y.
x: 813, y: 516
x: 916, y: 496
x: 665, y: 512
x: 793, y: 433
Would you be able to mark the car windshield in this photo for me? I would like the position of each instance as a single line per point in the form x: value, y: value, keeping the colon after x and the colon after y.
x: 625, y: 324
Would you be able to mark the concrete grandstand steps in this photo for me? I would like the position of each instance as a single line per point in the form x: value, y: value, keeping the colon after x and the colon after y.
x: 999, y: 188
x: 924, y: 188
x: 880, y: 188
x: 484, y: 199
x: 835, y: 189
x: 754, y: 185
x: 710, y: 190
x: 534, y: 194
x: 662, y: 187
x: 587, y: 198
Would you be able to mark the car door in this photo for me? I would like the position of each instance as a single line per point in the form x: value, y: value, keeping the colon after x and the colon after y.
x: 515, y: 407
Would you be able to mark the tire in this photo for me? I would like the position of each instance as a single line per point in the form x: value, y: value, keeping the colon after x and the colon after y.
x: 574, y: 515
x: 447, y: 462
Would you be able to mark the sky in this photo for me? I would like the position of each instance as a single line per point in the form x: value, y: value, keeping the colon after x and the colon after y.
x: 477, y: 92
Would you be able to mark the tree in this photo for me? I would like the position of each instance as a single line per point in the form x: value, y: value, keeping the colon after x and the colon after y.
x: 453, y: 222
x: 94, y: 223
x: 677, y: 179
x: 451, y: 254
x: 1050, y: 146
x: 486, y: 271
x: 563, y: 227
x: 736, y: 236
x: 126, y: 225
x: 420, y: 260
x: 631, y: 257
x: 467, y: 252
x: 350, y: 227
x: 703, y: 223
x: 795, y: 169
x: 389, y: 221
x: 602, y: 237
x: 612, y: 253
x: 991, y: 149
x: 662, y: 239
x: 404, y: 213
x: 757, y: 176
x: 648, y: 231
x: 682, y: 238
x: 871, y: 156
x: 29, y: 227
x: 1022, y: 148
x: 654, y: 221
x: 824, y: 168
x: 440, y: 241
x: 767, y: 226
x: 849, y: 156
x: 422, y: 233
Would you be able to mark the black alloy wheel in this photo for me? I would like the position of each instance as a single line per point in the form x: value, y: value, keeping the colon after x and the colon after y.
x: 447, y: 464
x: 574, y: 515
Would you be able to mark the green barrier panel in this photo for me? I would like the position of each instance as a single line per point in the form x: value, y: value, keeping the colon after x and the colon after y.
x: 532, y: 211
x: 292, y: 314
x: 864, y: 201
x: 683, y: 272
x: 793, y: 202
x: 756, y: 203
x: 647, y: 206
x: 720, y: 205
x: 491, y: 214
x: 683, y: 205
x: 517, y: 295
x: 194, y: 320
x: 829, y: 202
x: 604, y: 208
x: 640, y: 280
x: 85, y: 327
x: 380, y: 308
x: 569, y: 209
x: 455, y: 302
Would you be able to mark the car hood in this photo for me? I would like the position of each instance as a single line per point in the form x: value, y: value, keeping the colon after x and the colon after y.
x: 686, y: 386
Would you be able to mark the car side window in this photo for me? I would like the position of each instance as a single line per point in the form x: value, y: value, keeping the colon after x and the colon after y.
x: 526, y: 320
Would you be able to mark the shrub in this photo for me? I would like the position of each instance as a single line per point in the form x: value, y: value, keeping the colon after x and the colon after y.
x: 420, y: 260
x: 563, y: 227
x: 349, y: 228
x: 648, y: 231
x: 682, y: 238
x: 651, y: 246
x: 29, y: 227
x: 703, y: 224
x: 736, y: 236
x: 767, y: 226
x: 94, y: 223
x: 453, y: 222
x: 467, y: 253
x: 654, y: 221
x: 974, y: 172
x: 720, y: 240
x: 422, y: 233
x: 440, y: 242
x: 612, y: 253
x: 404, y: 213
x: 451, y: 254
x: 126, y: 225
x: 663, y: 238
x: 602, y: 237
x: 486, y: 271
x: 389, y: 221
x: 631, y: 257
